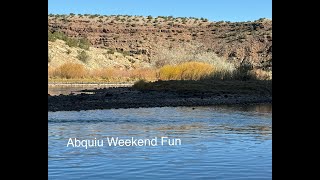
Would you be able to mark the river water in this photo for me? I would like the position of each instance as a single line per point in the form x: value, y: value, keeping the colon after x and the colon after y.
x: 66, y: 89
x: 219, y: 142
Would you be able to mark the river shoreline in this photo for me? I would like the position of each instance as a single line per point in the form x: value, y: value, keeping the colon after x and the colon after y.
x: 223, y: 93
x: 90, y: 84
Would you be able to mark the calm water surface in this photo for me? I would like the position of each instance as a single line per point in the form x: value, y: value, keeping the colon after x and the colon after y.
x: 67, y: 89
x: 216, y: 143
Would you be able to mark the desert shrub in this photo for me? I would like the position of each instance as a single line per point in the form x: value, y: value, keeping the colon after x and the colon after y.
x: 56, y: 35
x: 71, y: 42
x: 187, y: 52
x: 60, y: 35
x: 244, y: 71
x: 110, y: 51
x: 68, y: 51
x: 126, y: 53
x: 242, y: 36
x: 51, y: 37
x: 84, y: 44
x: 186, y: 71
x: 83, y: 56
x: 70, y: 70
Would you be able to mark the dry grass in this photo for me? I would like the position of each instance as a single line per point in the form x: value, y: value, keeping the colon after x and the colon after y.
x: 186, y: 71
x: 262, y: 75
x: 77, y: 73
x: 187, y: 52
x: 144, y: 73
x: 69, y: 71
x: 111, y: 74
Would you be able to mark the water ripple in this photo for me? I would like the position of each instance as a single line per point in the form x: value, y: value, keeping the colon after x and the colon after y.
x: 217, y: 143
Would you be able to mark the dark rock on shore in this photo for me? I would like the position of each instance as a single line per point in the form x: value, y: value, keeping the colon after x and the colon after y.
x: 129, y: 97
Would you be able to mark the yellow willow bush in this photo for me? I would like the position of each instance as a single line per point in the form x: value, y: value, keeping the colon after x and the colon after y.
x: 186, y: 71
x: 70, y: 71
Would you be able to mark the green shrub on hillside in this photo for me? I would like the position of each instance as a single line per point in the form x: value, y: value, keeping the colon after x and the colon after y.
x: 84, y: 44
x: 83, y: 56
x: 71, y: 42
x: 51, y: 37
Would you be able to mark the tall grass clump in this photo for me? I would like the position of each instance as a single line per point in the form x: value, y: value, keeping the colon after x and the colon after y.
x: 244, y: 71
x: 69, y: 71
x: 186, y: 71
x: 122, y: 75
x: 103, y: 73
x: 143, y: 73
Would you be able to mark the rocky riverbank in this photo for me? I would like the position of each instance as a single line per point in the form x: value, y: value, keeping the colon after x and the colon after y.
x: 161, y: 94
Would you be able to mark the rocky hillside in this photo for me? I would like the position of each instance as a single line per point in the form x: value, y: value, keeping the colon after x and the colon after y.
x: 95, y: 58
x: 141, y: 37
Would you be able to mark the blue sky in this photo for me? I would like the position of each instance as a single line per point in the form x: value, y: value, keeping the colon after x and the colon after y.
x: 214, y: 10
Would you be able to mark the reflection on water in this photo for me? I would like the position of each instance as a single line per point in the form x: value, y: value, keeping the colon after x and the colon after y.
x: 230, y: 142
x: 67, y: 89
